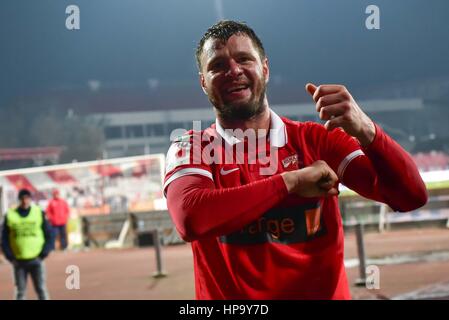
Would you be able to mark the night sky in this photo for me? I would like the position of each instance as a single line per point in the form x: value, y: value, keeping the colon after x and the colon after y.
x: 125, y: 43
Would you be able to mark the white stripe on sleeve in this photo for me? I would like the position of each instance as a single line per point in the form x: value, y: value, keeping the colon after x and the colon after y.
x: 186, y: 172
x: 344, y: 163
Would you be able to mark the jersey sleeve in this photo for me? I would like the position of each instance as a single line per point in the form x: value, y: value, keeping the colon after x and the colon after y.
x: 184, y: 157
x: 381, y: 171
x: 335, y: 147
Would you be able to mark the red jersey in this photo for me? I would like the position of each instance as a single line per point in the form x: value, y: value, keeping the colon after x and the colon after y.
x: 253, y: 240
x: 57, y: 212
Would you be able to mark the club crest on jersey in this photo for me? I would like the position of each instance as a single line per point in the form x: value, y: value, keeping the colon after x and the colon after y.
x: 290, y: 161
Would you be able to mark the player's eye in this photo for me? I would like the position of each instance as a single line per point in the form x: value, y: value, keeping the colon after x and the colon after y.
x: 216, y: 65
x: 244, y: 59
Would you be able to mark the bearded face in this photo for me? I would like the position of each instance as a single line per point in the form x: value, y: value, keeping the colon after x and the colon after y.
x: 234, y: 77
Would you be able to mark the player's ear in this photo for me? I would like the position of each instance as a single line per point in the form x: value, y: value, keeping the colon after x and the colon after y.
x: 266, y: 69
x: 202, y: 82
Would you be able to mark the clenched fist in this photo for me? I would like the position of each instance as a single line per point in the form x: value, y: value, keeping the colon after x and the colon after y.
x: 336, y: 105
x: 316, y: 180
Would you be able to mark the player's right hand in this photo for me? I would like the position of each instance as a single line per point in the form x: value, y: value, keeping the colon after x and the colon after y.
x: 316, y: 180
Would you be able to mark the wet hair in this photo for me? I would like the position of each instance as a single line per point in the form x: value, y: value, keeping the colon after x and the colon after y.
x: 223, y: 30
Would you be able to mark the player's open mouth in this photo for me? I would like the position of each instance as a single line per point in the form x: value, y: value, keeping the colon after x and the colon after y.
x: 237, y: 92
x: 237, y: 88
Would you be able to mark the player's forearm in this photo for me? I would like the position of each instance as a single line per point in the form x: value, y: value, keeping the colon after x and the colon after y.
x: 198, y: 210
x: 398, y: 180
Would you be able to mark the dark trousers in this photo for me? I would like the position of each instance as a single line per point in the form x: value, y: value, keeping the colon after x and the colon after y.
x: 36, y: 269
x: 61, y: 233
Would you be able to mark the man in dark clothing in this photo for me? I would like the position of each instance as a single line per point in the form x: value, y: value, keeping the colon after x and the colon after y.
x: 26, y: 242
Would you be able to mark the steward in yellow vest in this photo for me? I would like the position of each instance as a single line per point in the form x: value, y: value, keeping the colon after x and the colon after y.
x: 26, y: 236
x: 26, y: 242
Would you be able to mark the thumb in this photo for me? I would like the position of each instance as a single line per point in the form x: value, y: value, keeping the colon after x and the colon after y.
x: 326, y: 185
x: 333, y: 192
x: 310, y: 88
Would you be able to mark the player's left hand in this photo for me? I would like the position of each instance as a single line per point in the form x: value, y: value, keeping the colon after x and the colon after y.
x: 336, y: 105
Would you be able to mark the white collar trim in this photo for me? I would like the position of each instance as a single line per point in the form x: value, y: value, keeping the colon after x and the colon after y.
x: 278, y: 132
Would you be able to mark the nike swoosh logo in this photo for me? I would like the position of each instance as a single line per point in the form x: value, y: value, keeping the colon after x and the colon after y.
x: 224, y: 172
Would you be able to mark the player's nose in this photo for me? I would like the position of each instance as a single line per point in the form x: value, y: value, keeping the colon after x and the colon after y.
x: 234, y: 69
